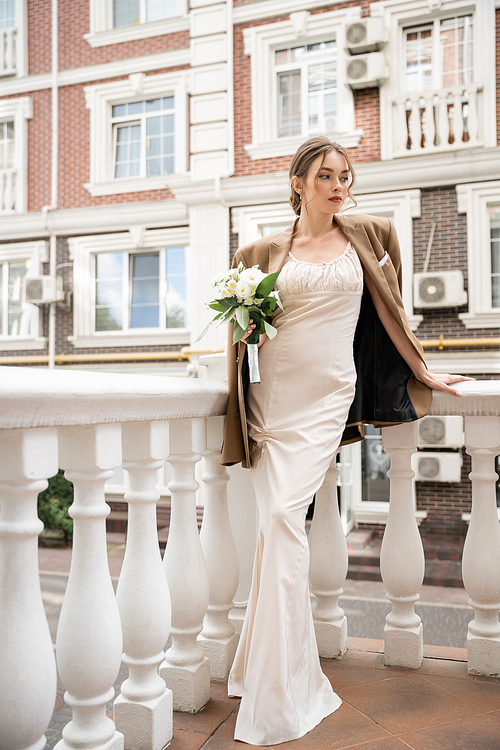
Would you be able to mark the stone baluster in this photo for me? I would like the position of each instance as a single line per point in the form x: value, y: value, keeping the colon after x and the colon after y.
x: 186, y: 669
x: 415, y: 123
x: 481, y: 556
x: 402, y: 563
x: 472, y: 118
x: 143, y: 710
x: 28, y: 669
x: 400, y: 124
x: 218, y: 638
x: 429, y: 126
x: 328, y: 568
x: 443, y: 118
x: 458, y: 116
x: 89, y: 636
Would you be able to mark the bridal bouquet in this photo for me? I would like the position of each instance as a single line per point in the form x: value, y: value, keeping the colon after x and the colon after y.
x: 244, y: 293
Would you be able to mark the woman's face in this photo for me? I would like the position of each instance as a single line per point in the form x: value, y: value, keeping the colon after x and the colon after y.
x: 325, y: 186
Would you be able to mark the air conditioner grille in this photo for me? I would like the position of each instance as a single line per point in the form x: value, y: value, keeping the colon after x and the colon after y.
x: 432, y: 289
x: 432, y: 430
x: 428, y: 467
x: 356, y: 69
x: 34, y: 289
x: 356, y: 33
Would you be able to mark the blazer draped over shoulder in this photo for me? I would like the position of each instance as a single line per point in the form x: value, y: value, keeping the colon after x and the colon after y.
x: 387, y: 392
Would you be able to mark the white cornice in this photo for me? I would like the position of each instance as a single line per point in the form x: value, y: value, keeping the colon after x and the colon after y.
x: 80, y: 221
x: 483, y: 362
x: 90, y: 73
x: 137, y: 31
x: 255, y: 11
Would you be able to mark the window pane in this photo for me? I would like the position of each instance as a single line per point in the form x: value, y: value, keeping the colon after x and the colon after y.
x: 456, y: 51
x: 153, y: 105
x: 168, y: 102
x: 118, y: 110
x: 168, y: 165
x: 289, y: 119
x: 125, y: 12
x: 7, y: 13
x: 322, y: 98
x: 108, y: 291
x: 108, y: 319
x: 176, y: 287
x: 127, y: 156
x: 160, y: 145
x: 144, y: 307
x: 418, y: 59
x: 19, y: 317
x: 375, y: 464
x: 6, y: 145
x: 153, y: 125
x: 135, y: 108
x: 158, y: 9
x: 495, y: 255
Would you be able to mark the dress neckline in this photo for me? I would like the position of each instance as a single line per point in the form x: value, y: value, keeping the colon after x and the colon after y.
x: 323, y: 262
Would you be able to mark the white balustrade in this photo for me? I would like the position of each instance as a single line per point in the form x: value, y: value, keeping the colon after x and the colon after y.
x: 328, y: 568
x: 481, y: 556
x: 402, y: 563
x: 89, y: 641
x: 8, y: 179
x: 186, y: 669
x: 218, y: 638
x: 28, y: 669
x: 8, y: 51
x: 437, y: 120
x: 143, y: 710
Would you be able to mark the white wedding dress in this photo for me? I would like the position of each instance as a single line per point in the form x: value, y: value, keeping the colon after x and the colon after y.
x: 296, y: 417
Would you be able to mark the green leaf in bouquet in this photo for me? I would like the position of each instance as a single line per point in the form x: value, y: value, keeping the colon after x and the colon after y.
x: 238, y: 332
x: 227, y: 303
x: 224, y: 317
x: 204, y: 331
x: 217, y: 306
x: 266, y: 285
x: 243, y: 317
x: 270, y: 330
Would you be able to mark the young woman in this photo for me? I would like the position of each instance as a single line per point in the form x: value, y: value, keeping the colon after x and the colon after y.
x: 344, y: 355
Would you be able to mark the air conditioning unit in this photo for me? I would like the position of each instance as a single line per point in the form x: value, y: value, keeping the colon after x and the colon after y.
x: 366, y: 70
x: 365, y: 35
x: 443, y: 289
x: 440, y: 432
x: 437, y: 467
x: 41, y: 290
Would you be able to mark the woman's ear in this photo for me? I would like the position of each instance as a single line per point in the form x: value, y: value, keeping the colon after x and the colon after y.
x: 297, y: 185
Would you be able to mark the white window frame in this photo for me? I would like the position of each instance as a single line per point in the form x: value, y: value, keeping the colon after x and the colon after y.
x: 19, y: 110
x: 398, y: 15
x: 100, y: 100
x: 83, y: 250
x: 35, y: 253
x: 103, y: 33
x: 261, y: 42
x: 21, y: 46
x: 474, y: 200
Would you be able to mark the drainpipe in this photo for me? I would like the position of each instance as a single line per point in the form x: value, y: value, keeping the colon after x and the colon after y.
x: 230, y: 106
x: 53, y: 191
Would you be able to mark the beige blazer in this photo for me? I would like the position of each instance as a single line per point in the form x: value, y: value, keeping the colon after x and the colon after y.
x: 399, y: 397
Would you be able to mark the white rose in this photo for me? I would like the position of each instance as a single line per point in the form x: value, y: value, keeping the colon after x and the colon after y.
x: 252, y: 276
x: 244, y: 290
x: 231, y: 286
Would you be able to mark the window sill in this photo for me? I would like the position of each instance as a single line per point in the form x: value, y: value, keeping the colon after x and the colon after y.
x: 288, y: 146
x: 135, y: 185
x: 137, y: 31
x: 16, y: 344
x: 480, y: 320
x: 115, y: 338
x: 379, y: 513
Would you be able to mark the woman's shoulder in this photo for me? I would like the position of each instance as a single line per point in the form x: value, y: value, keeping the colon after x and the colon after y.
x: 376, y: 223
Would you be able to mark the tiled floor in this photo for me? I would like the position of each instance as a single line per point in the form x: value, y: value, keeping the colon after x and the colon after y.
x: 438, y: 707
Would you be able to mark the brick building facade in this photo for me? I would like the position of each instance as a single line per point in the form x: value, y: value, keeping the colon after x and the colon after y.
x: 142, y: 142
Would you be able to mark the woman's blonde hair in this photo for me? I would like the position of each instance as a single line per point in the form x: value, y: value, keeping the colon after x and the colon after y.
x: 305, y: 156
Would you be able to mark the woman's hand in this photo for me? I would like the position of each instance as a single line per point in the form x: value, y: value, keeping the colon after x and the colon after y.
x: 251, y: 328
x: 441, y: 381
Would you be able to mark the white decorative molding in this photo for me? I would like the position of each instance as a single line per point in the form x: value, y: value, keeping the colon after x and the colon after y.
x: 208, y: 20
x: 137, y: 234
x: 102, y: 32
x: 472, y: 362
x: 256, y: 11
x: 474, y: 200
x: 260, y: 43
x: 136, y: 81
x: 82, y: 251
x: 248, y: 221
x: 299, y: 21
x: 100, y: 98
x: 19, y: 110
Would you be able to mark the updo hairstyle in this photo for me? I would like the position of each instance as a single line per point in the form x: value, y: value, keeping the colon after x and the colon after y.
x: 305, y: 156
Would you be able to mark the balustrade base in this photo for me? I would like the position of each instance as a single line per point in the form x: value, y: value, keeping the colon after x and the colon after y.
x: 145, y: 726
x: 237, y: 618
x: 220, y: 654
x: 483, y: 656
x: 331, y: 638
x: 403, y: 647
x: 115, y: 743
x: 190, y: 685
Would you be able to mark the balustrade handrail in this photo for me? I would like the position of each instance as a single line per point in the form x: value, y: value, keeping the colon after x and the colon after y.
x: 480, y: 398
x: 53, y: 398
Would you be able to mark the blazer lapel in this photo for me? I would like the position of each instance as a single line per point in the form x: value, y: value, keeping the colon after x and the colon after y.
x: 280, y: 247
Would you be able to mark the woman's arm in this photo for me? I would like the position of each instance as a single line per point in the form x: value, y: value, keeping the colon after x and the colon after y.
x: 439, y: 382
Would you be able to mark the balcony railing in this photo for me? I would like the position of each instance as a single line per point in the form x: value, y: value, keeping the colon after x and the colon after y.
x: 440, y: 120
x: 8, y: 51
x: 8, y: 191
x: 89, y: 423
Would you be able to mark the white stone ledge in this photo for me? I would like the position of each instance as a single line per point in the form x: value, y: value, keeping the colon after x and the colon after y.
x: 480, y: 398
x: 51, y: 398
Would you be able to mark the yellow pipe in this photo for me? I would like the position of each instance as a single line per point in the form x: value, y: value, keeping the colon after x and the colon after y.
x: 61, y: 359
x: 441, y: 342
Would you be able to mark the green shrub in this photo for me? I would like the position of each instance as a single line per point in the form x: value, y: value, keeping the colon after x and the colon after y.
x: 53, y: 504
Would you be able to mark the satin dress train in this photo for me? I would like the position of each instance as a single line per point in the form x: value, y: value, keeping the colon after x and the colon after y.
x: 296, y: 417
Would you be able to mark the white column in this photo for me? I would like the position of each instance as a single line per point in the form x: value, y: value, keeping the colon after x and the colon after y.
x: 415, y: 123
x: 481, y: 557
x: 143, y: 710
x: 89, y: 637
x: 186, y: 669
x: 402, y: 562
x: 218, y: 638
x: 27, y: 665
x: 328, y: 568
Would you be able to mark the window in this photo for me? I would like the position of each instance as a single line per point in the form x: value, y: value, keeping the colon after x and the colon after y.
x: 7, y: 13
x: 19, y: 321
x: 307, y: 89
x: 494, y: 212
x: 131, y: 290
x: 375, y: 463
x: 144, y: 138
x: 13, y: 154
x: 116, y: 21
x: 138, y: 133
x: 298, y: 64
x: 126, y: 12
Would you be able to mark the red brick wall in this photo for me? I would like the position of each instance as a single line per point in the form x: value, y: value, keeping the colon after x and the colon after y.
x: 39, y: 36
x: 445, y: 502
x: 497, y: 61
